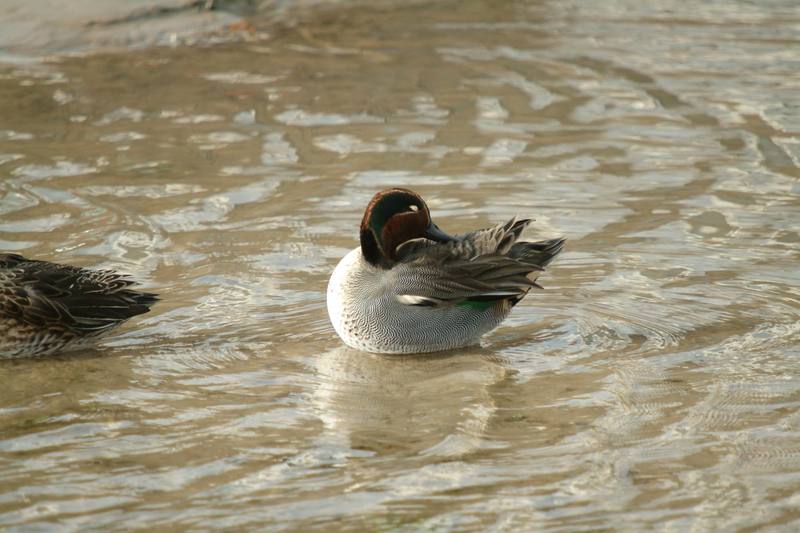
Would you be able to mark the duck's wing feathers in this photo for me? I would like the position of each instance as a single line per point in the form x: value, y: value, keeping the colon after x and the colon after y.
x: 495, y: 240
x: 485, y: 278
x: 539, y: 253
x: 87, y: 302
x: 484, y: 266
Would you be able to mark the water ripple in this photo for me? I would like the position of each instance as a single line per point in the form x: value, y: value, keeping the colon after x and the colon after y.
x: 653, y: 383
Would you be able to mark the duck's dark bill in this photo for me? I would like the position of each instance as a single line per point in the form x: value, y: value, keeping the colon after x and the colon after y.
x: 435, y: 234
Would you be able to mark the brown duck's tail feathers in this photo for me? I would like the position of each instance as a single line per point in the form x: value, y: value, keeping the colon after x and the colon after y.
x: 87, y: 302
x: 101, y: 311
x: 145, y: 300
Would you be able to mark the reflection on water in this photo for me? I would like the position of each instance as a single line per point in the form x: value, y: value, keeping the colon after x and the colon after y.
x: 369, y: 401
x: 653, y: 383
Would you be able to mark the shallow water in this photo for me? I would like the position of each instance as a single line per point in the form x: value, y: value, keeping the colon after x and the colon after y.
x: 655, y: 383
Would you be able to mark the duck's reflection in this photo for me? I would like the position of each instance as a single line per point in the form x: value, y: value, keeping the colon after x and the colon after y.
x: 438, y: 405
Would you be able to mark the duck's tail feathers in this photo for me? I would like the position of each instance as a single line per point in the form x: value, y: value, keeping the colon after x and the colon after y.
x: 539, y: 253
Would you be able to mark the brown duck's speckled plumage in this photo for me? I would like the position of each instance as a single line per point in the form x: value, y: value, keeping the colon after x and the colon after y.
x: 47, y: 307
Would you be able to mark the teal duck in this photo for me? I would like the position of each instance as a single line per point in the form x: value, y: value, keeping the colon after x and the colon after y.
x: 411, y: 288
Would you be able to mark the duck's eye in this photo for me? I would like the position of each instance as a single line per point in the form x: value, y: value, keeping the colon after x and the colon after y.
x: 413, y: 208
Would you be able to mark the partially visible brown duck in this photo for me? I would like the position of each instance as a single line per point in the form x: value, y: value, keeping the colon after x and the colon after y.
x: 47, y: 307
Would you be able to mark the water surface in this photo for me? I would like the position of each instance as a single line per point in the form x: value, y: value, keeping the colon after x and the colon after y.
x: 654, y: 384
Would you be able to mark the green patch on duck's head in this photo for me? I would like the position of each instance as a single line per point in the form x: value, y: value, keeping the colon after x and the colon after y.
x: 392, y: 217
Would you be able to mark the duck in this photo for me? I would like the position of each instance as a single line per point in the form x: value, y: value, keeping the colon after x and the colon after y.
x: 409, y: 287
x: 48, y: 308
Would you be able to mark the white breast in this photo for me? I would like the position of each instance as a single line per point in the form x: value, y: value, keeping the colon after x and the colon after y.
x: 365, y: 312
x: 339, y: 297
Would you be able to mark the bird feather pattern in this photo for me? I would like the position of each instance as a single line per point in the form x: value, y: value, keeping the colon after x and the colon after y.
x: 481, y: 266
x: 78, y: 300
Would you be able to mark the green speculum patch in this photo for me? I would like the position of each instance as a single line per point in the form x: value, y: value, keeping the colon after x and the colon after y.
x: 478, y: 305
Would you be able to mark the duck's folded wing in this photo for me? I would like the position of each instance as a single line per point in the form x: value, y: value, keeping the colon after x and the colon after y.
x: 539, y: 253
x: 498, y: 239
x: 486, y: 278
x: 86, y: 301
